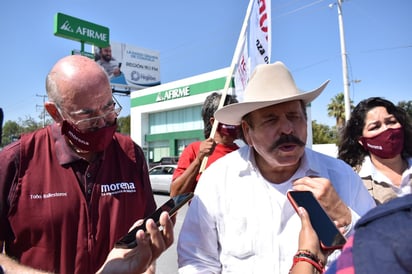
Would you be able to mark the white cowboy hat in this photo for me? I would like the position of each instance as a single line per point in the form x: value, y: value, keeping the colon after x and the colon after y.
x: 270, y: 84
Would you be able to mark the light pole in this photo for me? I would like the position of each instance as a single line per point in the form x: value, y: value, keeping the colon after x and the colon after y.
x: 344, y: 61
x: 43, y: 108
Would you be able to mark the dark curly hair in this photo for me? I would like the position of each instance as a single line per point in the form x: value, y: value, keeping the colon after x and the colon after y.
x: 349, y: 149
x: 210, y: 106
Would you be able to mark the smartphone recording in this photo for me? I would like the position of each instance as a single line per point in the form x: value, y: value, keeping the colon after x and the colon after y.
x: 171, y: 206
x: 329, y: 235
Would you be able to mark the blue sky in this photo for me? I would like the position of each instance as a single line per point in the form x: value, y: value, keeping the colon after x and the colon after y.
x: 195, y: 37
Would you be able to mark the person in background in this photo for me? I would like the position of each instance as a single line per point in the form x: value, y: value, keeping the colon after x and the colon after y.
x: 381, y: 243
x: 188, y: 172
x: 70, y: 190
x: 376, y: 143
x: 240, y: 220
x: 106, y: 60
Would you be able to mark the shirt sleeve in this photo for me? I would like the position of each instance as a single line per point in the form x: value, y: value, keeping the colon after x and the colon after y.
x: 349, y: 186
x: 197, y: 248
x: 358, y: 200
x: 8, y: 175
x: 185, y: 159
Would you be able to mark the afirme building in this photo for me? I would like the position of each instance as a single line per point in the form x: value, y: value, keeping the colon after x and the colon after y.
x: 166, y: 118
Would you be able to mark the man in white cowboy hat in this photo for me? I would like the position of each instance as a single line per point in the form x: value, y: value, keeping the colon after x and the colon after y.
x: 240, y: 220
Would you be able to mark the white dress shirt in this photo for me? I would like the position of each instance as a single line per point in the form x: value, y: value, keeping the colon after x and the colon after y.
x: 368, y: 169
x: 238, y: 222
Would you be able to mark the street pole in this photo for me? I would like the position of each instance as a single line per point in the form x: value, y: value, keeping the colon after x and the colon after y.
x: 344, y: 62
x: 43, y: 108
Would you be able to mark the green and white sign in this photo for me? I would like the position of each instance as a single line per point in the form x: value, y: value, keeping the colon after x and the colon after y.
x: 79, y: 30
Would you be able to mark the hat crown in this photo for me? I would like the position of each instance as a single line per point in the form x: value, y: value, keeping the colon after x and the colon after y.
x: 270, y: 82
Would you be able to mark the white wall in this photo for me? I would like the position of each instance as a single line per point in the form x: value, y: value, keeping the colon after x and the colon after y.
x: 328, y: 149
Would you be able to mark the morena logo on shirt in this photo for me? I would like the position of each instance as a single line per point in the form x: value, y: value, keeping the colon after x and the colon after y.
x: 116, y: 188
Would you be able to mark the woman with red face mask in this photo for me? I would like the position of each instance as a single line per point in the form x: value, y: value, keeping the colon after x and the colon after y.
x: 187, y: 172
x: 376, y: 143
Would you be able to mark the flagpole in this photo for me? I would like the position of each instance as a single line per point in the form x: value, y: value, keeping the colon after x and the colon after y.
x: 235, y: 58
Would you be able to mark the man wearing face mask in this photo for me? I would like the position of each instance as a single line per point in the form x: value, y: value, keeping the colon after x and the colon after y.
x: 187, y: 172
x: 69, y: 191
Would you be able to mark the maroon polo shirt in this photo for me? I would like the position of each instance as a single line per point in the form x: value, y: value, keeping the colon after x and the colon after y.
x: 62, y: 214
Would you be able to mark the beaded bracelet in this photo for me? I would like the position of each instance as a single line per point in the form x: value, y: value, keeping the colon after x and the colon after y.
x: 309, y: 257
x: 308, y: 253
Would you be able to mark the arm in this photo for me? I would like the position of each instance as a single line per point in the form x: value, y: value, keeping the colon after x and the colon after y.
x: 308, y: 241
x: 8, y: 175
x: 138, y: 260
x: 149, y: 247
x: 186, y: 182
x: 197, y: 247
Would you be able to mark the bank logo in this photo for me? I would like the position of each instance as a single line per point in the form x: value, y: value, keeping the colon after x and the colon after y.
x: 66, y: 26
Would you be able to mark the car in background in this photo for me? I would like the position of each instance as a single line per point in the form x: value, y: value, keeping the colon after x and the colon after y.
x: 161, y: 177
x: 171, y: 160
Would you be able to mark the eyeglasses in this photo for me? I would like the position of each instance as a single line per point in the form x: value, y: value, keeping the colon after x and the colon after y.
x: 112, y: 111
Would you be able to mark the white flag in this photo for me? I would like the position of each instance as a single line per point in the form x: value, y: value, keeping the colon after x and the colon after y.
x: 257, y: 45
x: 252, y: 48
x: 242, y: 72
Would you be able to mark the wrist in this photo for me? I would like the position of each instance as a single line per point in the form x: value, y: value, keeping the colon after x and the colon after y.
x: 308, y: 257
x: 345, y: 216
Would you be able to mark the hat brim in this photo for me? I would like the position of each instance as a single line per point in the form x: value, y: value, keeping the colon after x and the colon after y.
x: 232, y: 114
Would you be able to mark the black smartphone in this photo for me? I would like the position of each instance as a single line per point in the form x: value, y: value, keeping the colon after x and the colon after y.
x: 329, y: 235
x: 171, y: 206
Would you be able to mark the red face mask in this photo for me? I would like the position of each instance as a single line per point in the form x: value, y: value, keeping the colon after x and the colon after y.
x: 93, y: 141
x: 228, y: 130
x: 385, y: 145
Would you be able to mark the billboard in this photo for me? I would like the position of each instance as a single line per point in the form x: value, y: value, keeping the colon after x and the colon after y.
x: 129, y: 67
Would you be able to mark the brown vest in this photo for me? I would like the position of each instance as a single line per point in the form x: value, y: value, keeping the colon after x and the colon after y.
x: 380, y: 191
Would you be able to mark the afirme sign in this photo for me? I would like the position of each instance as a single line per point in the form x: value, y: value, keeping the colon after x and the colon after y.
x: 76, y: 29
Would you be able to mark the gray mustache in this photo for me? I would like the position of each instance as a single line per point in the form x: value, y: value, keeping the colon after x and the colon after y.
x: 287, y: 139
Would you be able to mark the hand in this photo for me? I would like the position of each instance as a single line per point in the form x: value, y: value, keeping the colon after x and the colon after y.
x: 308, y: 239
x: 149, y: 247
x: 206, y: 148
x: 326, y: 194
x: 116, y: 72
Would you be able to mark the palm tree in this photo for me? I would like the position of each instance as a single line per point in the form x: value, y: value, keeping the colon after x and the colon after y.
x: 336, y: 109
x: 407, y: 106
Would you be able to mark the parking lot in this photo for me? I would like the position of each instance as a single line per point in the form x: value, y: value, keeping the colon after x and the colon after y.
x: 167, y: 263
